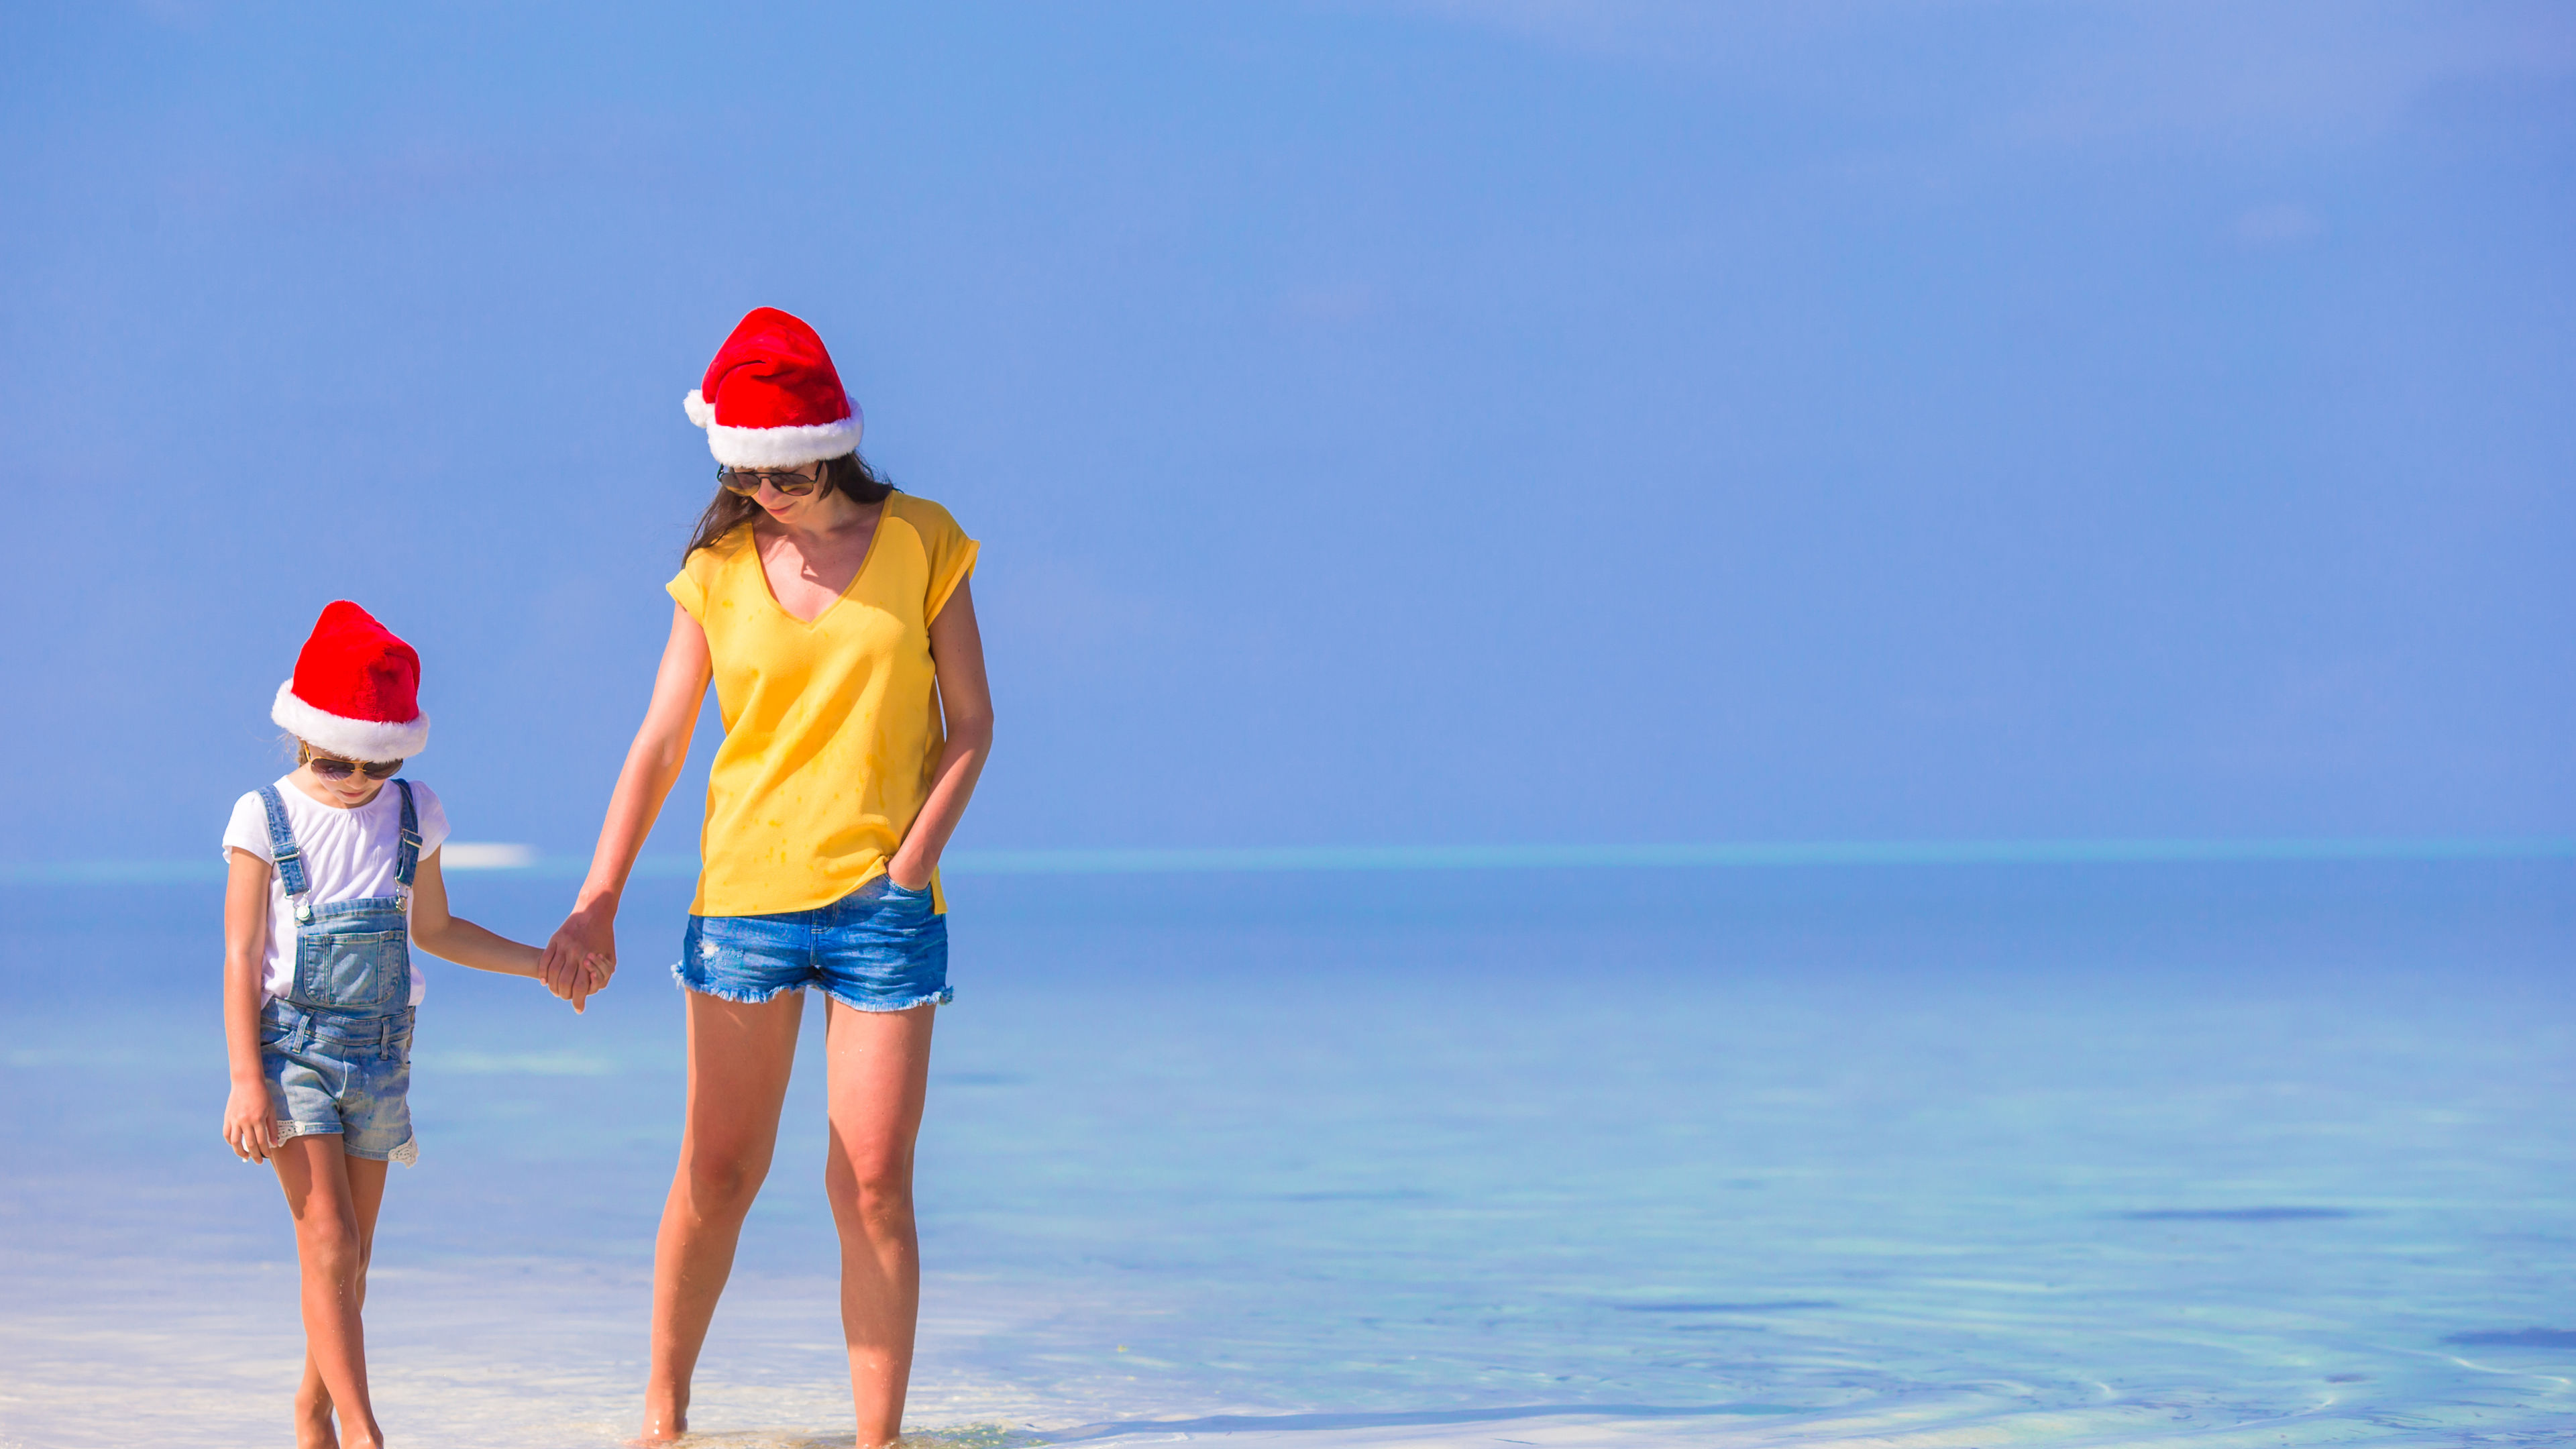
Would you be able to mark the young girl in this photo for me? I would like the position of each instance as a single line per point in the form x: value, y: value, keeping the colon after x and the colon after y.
x: 319, y: 985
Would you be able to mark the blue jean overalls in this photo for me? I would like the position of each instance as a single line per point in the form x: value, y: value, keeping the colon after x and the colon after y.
x: 337, y: 1045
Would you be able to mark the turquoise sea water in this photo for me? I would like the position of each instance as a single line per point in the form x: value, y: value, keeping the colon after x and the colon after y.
x: 2253, y: 1153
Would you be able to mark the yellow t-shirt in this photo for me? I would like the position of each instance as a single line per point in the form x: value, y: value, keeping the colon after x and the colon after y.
x: 832, y: 729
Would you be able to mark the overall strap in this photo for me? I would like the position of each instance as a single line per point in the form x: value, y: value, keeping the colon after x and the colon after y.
x: 281, y: 844
x: 409, y: 860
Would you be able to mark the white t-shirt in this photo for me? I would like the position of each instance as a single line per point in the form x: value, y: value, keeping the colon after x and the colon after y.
x: 348, y: 855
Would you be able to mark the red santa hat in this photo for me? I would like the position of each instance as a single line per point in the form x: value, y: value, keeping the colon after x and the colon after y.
x: 771, y: 399
x: 356, y: 690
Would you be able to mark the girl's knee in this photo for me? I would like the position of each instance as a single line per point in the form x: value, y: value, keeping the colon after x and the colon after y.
x: 326, y: 1239
x: 720, y: 1180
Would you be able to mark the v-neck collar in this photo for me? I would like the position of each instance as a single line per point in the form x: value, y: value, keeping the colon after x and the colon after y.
x: 885, y: 508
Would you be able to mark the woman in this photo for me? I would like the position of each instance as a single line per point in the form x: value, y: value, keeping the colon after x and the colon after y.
x: 833, y: 615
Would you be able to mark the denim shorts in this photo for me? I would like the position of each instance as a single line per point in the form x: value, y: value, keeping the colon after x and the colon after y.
x: 334, y: 1073
x: 879, y: 948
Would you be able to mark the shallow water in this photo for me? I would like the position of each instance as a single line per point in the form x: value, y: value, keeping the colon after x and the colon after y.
x: 2252, y: 1154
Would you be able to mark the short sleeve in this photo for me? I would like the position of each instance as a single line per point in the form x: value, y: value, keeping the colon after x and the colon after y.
x: 702, y: 572
x: 433, y: 817
x: 248, y: 828
x: 688, y: 592
x: 952, y: 558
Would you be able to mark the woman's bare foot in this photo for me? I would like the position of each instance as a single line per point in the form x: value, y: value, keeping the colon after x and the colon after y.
x: 664, y: 1422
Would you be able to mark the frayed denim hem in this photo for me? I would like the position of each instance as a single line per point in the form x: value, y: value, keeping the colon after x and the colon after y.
x: 941, y: 997
x: 720, y: 993
x: 408, y: 1154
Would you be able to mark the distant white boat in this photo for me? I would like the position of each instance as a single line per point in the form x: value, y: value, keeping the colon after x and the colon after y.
x: 486, y: 855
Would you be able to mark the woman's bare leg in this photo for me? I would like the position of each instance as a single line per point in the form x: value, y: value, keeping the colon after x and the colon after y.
x: 880, y: 1077
x: 739, y: 1060
x: 334, y: 1198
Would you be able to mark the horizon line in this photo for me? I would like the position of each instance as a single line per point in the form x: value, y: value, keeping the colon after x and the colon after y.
x: 1203, y: 860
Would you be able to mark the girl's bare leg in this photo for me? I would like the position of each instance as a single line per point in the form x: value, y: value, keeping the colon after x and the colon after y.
x: 880, y: 1064
x: 739, y: 1059
x: 334, y: 1199
x: 313, y: 1410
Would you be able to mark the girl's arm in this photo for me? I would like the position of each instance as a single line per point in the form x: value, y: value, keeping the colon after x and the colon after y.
x: 250, y: 1122
x: 456, y: 938
x: 966, y: 703
x: 583, y: 952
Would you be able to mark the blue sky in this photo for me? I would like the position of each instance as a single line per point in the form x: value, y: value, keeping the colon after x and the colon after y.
x: 1469, y: 422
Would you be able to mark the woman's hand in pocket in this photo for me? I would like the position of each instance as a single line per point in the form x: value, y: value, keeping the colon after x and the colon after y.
x: 908, y: 872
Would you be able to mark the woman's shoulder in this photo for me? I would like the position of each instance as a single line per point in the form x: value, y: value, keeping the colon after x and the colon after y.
x: 931, y: 522
x: 925, y: 516
x: 733, y: 541
x: 731, y: 547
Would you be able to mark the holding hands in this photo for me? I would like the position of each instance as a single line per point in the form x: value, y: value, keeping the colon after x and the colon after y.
x: 582, y: 954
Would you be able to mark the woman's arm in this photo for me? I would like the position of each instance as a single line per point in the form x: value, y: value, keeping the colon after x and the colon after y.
x: 250, y: 1122
x: 583, y: 952
x: 456, y: 938
x: 966, y: 703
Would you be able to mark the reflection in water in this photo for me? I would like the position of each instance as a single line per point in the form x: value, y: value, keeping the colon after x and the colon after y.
x: 2515, y: 1338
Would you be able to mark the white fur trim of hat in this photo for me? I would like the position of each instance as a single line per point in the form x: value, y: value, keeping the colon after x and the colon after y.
x: 354, y: 739
x: 787, y: 447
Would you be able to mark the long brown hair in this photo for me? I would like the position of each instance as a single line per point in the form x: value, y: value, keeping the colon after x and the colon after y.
x: 848, y: 473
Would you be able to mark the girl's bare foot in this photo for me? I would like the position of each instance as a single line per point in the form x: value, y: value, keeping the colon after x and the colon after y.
x: 313, y: 1422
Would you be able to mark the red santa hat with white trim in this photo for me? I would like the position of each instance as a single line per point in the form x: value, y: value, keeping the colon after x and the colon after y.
x: 772, y: 399
x: 356, y: 690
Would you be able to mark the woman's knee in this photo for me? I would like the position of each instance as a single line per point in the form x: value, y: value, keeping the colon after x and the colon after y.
x: 873, y: 1187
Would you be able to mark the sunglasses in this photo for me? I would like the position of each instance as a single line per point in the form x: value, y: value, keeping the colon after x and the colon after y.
x: 336, y: 769
x: 793, y: 482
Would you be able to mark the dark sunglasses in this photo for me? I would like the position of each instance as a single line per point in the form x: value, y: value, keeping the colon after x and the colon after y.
x: 334, y: 769
x: 746, y: 481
